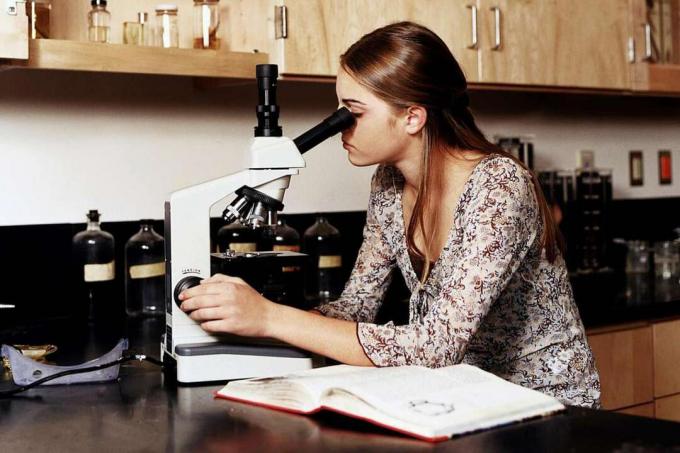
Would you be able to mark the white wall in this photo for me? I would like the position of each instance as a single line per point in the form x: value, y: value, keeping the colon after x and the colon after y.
x: 70, y: 142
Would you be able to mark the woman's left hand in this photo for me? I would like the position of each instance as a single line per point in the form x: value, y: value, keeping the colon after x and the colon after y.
x: 223, y: 304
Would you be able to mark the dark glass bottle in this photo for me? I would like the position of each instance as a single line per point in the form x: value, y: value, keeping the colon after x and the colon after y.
x: 145, y: 272
x: 285, y: 285
x: 237, y: 237
x: 95, y: 272
x: 323, y: 278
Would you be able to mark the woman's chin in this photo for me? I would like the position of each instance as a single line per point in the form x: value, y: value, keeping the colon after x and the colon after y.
x: 358, y: 161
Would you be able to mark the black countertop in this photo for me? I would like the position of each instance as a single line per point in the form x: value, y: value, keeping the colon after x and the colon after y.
x: 146, y: 411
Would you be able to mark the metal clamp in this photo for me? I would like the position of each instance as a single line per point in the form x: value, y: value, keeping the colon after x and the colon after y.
x: 497, y: 27
x: 475, y: 40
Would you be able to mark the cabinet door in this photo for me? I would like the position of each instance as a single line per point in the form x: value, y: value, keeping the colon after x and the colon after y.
x: 575, y: 43
x: 624, y: 361
x: 668, y: 408
x: 642, y: 410
x: 666, y: 358
x: 13, y: 32
x: 319, y: 31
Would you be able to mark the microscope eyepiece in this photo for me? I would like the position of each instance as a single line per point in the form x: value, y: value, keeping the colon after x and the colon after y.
x: 340, y: 120
x: 267, y: 109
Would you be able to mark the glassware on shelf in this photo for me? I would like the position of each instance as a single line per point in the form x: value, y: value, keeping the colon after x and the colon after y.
x: 145, y: 272
x: 666, y: 271
x: 38, y: 12
x: 638, y: 269
x: 138, y: 33
x: 95, y: 271
x: 206, y: 24
x: 99, y: 22
x: 167, y: 28
x: 324, y: 274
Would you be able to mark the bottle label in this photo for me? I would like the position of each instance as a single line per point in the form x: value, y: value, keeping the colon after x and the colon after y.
x: 243, y: 246
x: 100, y: 272
x: 330, y: 261
x: 147, y: 270
x: 286, y: 248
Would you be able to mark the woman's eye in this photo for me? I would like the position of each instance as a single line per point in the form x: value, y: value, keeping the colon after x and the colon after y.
x: 356, y: 114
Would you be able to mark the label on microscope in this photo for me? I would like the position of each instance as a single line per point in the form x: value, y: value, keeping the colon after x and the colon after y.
x: 100, y: 272
x: 147, y: 270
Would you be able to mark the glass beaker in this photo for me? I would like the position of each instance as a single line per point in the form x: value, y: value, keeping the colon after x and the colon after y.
x: 167, y: 29
x: 666, y: 271
x: 206, y: 24
x: 638, y: 267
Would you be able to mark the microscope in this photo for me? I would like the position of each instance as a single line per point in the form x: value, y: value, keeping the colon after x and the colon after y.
x: 197, y: 355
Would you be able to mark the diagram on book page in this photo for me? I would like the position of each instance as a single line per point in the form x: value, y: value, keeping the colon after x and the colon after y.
x: 430, y: 408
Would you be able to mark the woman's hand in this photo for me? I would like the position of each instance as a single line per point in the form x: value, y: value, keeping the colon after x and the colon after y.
x: 223, y: 304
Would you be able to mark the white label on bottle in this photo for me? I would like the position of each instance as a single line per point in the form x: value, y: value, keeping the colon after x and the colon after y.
x: 330, y: 261
x: 286, y: 248
x: 243, y: 246
x: 100, y: 272
x: 147, y: 270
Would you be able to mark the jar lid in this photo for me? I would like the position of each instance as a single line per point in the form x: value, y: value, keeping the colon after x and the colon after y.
x: 142, y: 18
x: 98, y: 2
x: 169, y: 7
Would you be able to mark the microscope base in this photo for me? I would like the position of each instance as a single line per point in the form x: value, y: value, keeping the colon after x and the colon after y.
x: 221, y: 362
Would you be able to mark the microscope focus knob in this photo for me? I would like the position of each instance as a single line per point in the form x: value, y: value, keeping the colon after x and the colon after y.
x: 185, y: 283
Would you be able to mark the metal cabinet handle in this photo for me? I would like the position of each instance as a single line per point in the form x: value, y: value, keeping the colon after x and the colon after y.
x: 475, y: 40
x: 648, y: 42
x: 497, y: 27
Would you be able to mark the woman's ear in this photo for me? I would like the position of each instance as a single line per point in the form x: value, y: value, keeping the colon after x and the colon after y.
x: 416, y: 117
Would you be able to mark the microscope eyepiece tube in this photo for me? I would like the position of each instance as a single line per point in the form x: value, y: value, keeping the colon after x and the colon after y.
x: 337, y: 122
x: 267, y: 109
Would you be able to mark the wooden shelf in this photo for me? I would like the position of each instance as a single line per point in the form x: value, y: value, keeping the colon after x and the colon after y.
x: 87, y: 56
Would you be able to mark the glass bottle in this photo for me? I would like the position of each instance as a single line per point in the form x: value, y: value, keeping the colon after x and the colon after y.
x: 145, y: 272
x: 138, y: 33
x: 99, y: 22
x: 167, y: 28
x: 324, y: 275
x: 38, y: 12
x: 206, y: 24
x: 94, y: 259
x: 236, y: 237
x: 638, y: 267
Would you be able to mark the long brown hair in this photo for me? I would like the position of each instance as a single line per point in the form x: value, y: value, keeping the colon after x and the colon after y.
x: 406, y: 64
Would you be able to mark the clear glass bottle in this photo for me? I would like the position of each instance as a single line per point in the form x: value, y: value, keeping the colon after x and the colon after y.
x: 167, y: 28
x: 99, y: 22
x: 638, y: 273
x: 206, y: 24
x: 666, y: 271
x: 95, y: 271
x: 145, y: 272
x: 138, y: 33
x: 237, y: 237
x: 38, y: 12
x: 323, y: 278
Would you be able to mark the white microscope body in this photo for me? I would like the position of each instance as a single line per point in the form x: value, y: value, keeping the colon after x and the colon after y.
x: 198, y: 355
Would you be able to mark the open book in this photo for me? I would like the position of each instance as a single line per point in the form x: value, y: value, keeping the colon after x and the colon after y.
x: 430, y: 404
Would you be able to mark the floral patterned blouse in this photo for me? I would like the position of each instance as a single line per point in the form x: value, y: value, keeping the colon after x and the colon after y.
x: 492, y: 298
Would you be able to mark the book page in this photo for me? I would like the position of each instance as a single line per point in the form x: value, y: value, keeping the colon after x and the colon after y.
x: 457, y: 398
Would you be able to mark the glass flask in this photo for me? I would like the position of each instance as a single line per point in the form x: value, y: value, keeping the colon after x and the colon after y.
x: 145, y: 272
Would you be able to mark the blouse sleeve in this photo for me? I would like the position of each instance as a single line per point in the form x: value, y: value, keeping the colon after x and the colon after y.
x: 364, y: 291
x: 501, y: 223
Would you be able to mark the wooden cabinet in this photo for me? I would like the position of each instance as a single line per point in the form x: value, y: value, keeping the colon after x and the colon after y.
x: 647, y: 75
x: 666, y: 358
x: 624, y: 361
x: 642, y: 410
x: 668, y: 408
x: 312, y: 34
x: 573, y: 43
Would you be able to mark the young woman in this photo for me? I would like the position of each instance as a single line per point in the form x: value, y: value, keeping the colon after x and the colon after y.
x: 465, y: 223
